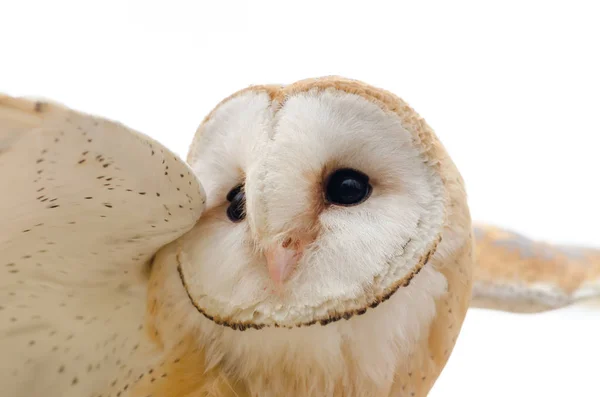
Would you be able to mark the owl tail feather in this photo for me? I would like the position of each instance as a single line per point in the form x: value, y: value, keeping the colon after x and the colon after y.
x: 516, y: 274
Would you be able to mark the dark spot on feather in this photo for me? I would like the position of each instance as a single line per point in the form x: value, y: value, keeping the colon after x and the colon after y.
x: 88, y: 198
x: 54, y: 206
x: 81, y: 161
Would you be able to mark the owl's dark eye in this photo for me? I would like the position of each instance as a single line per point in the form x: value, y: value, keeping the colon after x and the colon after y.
x: 233, y: 192
x: 237, y: 204
x: 347, y: 187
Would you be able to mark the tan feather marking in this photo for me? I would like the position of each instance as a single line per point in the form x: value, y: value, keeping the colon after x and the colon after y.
x: 183, y: 374
x: 544, y: 262
x: 417, y: 375
x: 515, y: 273
x: 151, y: 330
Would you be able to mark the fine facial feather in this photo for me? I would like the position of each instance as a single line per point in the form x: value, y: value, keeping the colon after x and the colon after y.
x: 85, y: 204
x: 361, y: 254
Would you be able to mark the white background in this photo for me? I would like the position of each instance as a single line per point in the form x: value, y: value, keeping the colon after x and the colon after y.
x: 512, y: 88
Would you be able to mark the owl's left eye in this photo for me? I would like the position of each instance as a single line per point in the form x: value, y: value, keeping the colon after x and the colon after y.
x: 347, y: 187
x: 236, y: 211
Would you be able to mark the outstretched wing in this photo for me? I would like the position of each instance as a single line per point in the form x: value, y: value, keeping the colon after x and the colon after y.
x: 514, y: 273
x: 84, y: 204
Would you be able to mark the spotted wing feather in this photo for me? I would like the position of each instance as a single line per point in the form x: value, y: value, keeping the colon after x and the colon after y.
x: 84, y: 205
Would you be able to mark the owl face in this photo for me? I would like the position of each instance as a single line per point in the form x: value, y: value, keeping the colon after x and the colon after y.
x: 322, y: 200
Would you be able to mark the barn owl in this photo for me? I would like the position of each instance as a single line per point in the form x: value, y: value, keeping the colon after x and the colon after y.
x: 316, y: 242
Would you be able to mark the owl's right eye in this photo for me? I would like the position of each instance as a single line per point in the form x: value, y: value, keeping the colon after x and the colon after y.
x: 237, y: 203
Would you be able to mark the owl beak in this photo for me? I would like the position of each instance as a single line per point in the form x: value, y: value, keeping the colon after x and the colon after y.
x: 282, y: 259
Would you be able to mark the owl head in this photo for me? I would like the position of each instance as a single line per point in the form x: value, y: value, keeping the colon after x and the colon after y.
x: 324, y: 197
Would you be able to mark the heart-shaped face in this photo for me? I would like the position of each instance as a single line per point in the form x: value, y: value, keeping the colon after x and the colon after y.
x: 323, y: 198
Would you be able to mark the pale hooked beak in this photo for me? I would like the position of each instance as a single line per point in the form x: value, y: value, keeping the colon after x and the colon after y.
x: 282, y: 259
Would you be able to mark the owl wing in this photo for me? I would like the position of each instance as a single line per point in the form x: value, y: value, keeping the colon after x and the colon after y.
x: 517, y: 274
x: 84, y: 205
